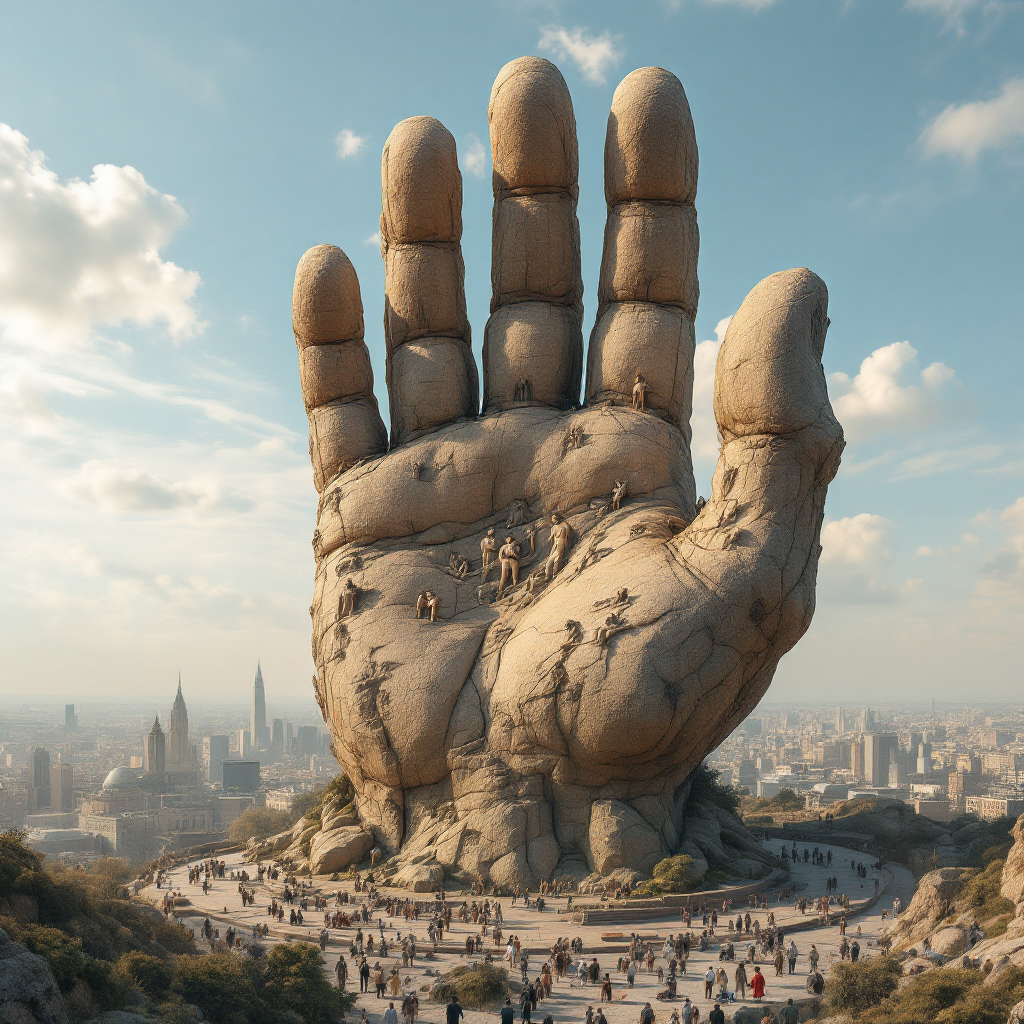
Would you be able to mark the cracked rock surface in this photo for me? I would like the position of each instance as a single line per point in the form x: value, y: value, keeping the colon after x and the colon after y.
x: 548, y: 726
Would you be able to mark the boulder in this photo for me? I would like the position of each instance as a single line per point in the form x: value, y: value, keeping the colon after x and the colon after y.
x: 426, y: 877
x: 948, y: 941
x: 28, y: 993
x: 1016, y: 1014
x: 620, y: 837
x: 338, y: 849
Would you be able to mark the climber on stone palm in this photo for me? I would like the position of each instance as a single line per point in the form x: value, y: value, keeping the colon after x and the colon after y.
x: 552, y: 730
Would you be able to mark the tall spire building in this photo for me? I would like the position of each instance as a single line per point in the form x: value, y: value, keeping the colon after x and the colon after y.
x: 179, y: 751
x: 258, y: 719
x: 156, y: 749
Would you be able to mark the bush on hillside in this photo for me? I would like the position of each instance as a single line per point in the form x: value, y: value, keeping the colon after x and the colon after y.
x: 258, y: 823
x: 481, y: 987
x: 706, y: 787
x: 855, y: 988
x: 310, y: 805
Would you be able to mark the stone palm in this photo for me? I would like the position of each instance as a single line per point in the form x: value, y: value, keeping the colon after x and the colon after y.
x: 552, y: 728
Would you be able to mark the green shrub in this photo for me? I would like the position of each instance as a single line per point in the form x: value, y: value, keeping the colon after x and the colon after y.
x: 981, y: 894
x: 784, y: 800
x: 673, y: 874
x: 258, y: 823
x: 148, y: 973
x: 481, y: 987
x: 953, y: 996
x: 706, y: 787
x: 63, y: 953
x: 310, y: 805
x: 854, y: 988
x: 293, y: 979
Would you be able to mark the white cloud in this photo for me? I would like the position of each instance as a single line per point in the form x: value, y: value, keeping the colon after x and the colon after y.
x: 475, y: 158
x: 373, y: 239
x: 854, y: 560
x: 1007, y: 564
x: 753, y: 5
x: 593, y: 55
x: 349, y: 144
x: 117, y: 489
x: 78, y: 255
x: 964, y: 130
x: 875, y: 399
x: 953, y: 12
x: 857, y: 540
x: 705, y: 444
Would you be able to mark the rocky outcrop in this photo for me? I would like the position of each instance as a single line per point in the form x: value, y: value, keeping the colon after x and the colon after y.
x: 1016, y: 1014
x: 28, y: 993
x: 933, y: 902
x: 337, y: 849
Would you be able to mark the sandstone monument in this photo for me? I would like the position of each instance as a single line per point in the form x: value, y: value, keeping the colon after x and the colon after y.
x: 527, y: 631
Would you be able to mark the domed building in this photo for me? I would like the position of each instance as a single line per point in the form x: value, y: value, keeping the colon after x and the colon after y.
x: 120, y: 793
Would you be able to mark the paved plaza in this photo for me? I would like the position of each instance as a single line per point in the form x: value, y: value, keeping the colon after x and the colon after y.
x: 538, y: 931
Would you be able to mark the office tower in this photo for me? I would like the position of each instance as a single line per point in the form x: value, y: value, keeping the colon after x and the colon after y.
x: 156, y: 749
x: 307, y: 741
x: 62, y: 787
x: 40, y: 797
x: 179, y: 752
x: 924, y: 759
x: 879, y: 750
x: 258, y: 719
x: 277, y: 737
x: 70, y: 718
x: 244, y: 743
x: 215, y: 752
x: 840, y: 721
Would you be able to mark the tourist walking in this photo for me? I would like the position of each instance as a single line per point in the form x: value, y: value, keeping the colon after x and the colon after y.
x: 757, y: 984
x: 740, y: 981
x: 709, y: 982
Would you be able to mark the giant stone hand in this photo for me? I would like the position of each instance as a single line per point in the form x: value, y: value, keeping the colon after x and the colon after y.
x: 552, y: 728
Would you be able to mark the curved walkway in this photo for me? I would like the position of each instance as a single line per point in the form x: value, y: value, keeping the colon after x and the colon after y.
x: 568, y: 1002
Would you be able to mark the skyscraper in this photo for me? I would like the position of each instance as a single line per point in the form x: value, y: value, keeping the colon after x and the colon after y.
x: 70, y: 718
x: 216, y: 750
x: 62, y: 787
x: 258, y: 719
x: 179, y: 752
x: 39, y: 798
x: 156, y: 749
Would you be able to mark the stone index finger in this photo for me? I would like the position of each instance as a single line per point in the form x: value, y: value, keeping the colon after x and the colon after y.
x: 334, y: 364
x: 641, y: 348
x: 533, y: 344
x: 432, y: 378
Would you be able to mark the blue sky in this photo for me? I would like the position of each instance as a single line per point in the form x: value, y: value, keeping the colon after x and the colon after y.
x: 157, y: 501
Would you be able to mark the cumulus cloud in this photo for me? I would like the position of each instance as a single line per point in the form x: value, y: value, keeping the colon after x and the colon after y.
x: 349, y: 144
x: 876, y: 399
x: 77, y: 255
x: 953, y: 12
x: 593, y: 55
x: 705, y: 443
x: 853, y: 559
x: 474, y: 159
x: 373, y: 239
x: 965, y: 130
x: 118, y: 489
x: 1007, y: 563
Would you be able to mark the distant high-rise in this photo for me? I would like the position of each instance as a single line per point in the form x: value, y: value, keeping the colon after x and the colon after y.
x: 179, y: 752
x: 156, y: 749
x: 840, y: 722
x: 258, y: 719
x: 307, y: 740
x: 879, y: 749
x: 62, y: 787
x: 39, y: 798
x: 277, y: 737
x: 70, y: 718
x: 216, y: 750
x: 244, y: 743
